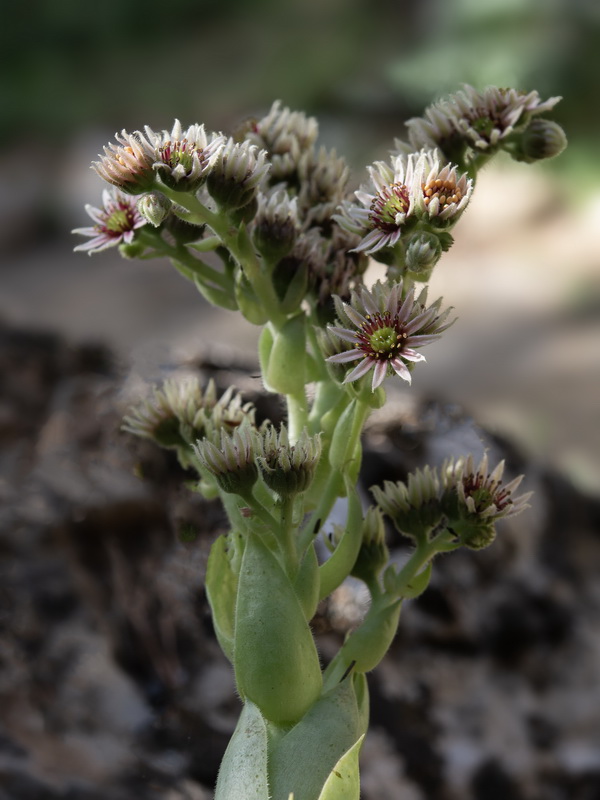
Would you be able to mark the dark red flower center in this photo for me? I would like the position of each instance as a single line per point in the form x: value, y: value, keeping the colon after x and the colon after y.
x: 484, y: 492
x: 381, y: 337
x: 391, y: 201
x: 119, y: 221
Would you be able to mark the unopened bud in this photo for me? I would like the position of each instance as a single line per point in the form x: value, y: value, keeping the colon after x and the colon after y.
x: 542, y: 138
x: 423, y: 251
x: 413, y: 507
x: 183, y: 232
x: 276, y: 226
x: 132, y: 249
x: 373, y: 554
x: 232, y: 463
x: 288, y: 469
x: 238, y: 172
x: 155, y: 207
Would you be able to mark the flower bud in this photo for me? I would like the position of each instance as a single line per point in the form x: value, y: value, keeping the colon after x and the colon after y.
x: 155, y: 207
x: 276, y: 226
x: 423, y: 251
x: 473, y: 499
x: 373, y: 554
x: 542, y: 138
x: 413, y: 507
x: 183, y: 232
x: 183, y: 158
x: 236, y: 175
x: 233, y: 463
x: 128, y: 163
x: 289, y: 469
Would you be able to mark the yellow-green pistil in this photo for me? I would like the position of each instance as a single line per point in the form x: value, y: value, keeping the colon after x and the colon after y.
x: 176, y: 153
x: 380, y: 338
x: 119, y: 221
x: 391, y: 201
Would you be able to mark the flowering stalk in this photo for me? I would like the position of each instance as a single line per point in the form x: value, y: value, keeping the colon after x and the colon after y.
x: 287, y: 245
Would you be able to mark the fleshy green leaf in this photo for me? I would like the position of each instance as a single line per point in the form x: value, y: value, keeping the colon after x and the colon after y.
x: 215, y: 295
x: 302, y: 759
x: 418, y: 583
x: 343, y: 782
x: 286, y: 370
x: 221, y: 590
x: 342, y: 436
x: 367, y: 645
x: 296, y: 290
x: 340, y: 562
x: 247, y: 301
x: 275, y: 658
x: 243, y: 771
x: 306, y: 583
x: 265, y: 345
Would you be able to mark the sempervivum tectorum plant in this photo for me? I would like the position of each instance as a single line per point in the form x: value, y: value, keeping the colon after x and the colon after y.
x: 115, y: 223
x: 386, y: 329
x: 473, y: 499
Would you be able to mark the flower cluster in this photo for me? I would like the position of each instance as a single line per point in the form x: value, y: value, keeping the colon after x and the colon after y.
x: 409, y: 190
x: 463, y: 499
x: 286, y: 135
x: 182, y: 158
x: 480, y: 119
x: 180, y: 412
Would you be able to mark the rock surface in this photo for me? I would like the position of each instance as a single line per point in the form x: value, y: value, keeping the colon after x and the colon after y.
x: 112, y: 685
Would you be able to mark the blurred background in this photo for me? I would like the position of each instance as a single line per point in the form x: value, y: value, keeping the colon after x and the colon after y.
x: 79, y: 334
x: 528, y: 247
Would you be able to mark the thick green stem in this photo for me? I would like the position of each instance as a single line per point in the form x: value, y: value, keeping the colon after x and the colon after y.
x: 327, y: 395
x: 329, y: 494
x: 183, y: 261
x: 239, y: 244
x: 287, y: 535
x: 260, y: 512
x: 297, y: 414
x: 424, y: 552
x: 334, y: 482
